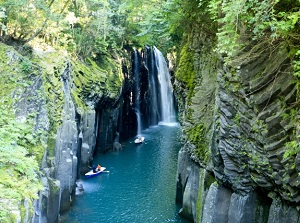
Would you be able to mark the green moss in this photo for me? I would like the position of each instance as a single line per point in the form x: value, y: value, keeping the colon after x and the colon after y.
x: 12, y: 218
x: 292, y: 149
x: 84, y: 77
x: 200, y: 199
x: 91, y: 81
x: 54, y: 188
x: 186, y: 71
x: 51, y: 145
x: 52, y: 66
x: 4, y: 214
x: 196, y: 135
x: 205, y: 181
x: 209, y: 180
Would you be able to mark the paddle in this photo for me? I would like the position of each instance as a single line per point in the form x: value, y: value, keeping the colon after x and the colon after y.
x: 105, y: 171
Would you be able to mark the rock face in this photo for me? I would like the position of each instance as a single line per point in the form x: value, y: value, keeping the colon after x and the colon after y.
x: 81, y: 110
x: 240, y: 124
x: 76, y: 109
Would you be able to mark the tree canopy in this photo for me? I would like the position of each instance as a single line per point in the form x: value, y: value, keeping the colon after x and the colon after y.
x: 95, y: 27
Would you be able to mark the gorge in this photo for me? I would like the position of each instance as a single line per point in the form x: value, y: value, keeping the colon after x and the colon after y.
x: 80, y: 80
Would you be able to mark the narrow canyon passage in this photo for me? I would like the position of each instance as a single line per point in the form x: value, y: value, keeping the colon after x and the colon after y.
x: 140, y: 186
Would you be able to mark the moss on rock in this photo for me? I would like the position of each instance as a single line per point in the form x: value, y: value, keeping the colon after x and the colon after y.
x: 186, y: 72
x: 90, y: 82
x: 196, y: 134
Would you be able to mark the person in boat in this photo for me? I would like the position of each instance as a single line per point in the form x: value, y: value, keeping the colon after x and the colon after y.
x: 98, y: 168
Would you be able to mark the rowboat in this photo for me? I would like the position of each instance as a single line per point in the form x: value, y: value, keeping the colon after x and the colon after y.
x: 139, y: 140
x: 91, y: 173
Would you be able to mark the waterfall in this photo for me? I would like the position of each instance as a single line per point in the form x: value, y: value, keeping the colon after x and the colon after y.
x: 136, y: 73
x: 153, y: 89
x: 139, y: 122
x: 166, y: 89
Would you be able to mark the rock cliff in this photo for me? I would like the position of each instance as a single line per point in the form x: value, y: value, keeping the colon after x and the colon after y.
x: 74, y: 109
x: 239, y: 162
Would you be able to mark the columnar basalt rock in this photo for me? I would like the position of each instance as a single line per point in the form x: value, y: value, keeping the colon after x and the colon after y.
x: 238, y: 121
x: 253, y: 131
x: 66, y: 147
x: 107, y: 121
x: 88, y: 136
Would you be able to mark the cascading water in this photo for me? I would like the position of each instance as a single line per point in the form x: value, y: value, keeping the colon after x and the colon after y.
x: 136, y: 74
x: 166, y: 89
x: 139, y: 122
x: 152, y: 90
x: 154, y: 113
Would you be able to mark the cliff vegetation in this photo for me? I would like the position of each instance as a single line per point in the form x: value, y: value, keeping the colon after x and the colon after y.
x: 241, y: 119
x: 48, y: 42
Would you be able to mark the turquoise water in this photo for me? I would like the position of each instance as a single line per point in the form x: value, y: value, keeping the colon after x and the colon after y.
x: 140, y: 186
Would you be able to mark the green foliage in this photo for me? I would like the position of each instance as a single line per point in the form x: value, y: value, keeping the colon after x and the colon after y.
x: 292, y: 148
x: 26, y: 66
x: 97, y: 28
x: 2, y: 18
x: 237, y: 118
x: 196, y: 135
x: 23, y: 17
x: 162, y: 23
x: 85, y: 28
x: 18, y: 168
x: 20, y: 148
x: 256, y: 20
x: 297, y: 64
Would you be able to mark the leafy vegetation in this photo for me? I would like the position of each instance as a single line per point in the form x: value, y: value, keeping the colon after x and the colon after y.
x: 20, y: 147
x: 96, y: 28
x: 269, y: 20
x: 293, y: 148
x: 100, y: 27
x: 18, y: 168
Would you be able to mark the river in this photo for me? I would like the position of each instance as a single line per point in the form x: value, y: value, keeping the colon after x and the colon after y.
x: 140, y: 186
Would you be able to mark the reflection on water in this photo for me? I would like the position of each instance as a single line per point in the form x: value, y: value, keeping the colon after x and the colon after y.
x: 140, y: 186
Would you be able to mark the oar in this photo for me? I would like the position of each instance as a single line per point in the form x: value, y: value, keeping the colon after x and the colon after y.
x: 105, y: 171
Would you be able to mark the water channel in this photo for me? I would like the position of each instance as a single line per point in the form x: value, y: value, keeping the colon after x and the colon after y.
x: 141, y: 184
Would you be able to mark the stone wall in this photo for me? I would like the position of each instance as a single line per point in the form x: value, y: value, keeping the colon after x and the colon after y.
x: 239, y: 121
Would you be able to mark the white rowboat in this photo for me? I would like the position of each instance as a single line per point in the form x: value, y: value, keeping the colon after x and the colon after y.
x: 91, y: 173
x: 139, y: 140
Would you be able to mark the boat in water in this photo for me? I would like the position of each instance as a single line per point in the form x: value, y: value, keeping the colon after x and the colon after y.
x: 140, y: 139
x: 92, y: 173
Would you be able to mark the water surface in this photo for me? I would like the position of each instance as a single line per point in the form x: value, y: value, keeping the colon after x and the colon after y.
x: 140, y: 186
